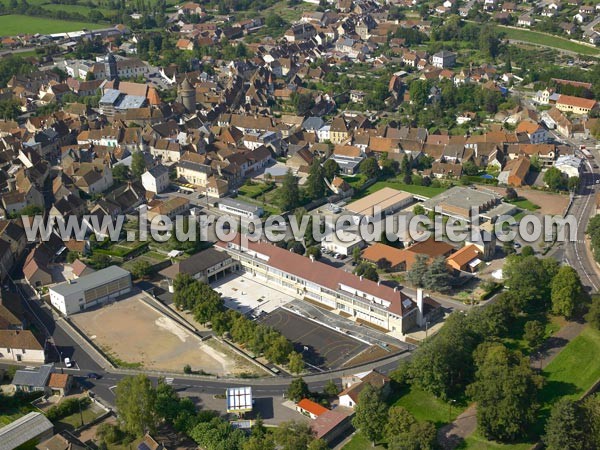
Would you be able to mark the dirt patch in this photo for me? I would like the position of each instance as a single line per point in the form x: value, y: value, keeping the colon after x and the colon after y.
x: 135, y: 333
x: 548, y: 202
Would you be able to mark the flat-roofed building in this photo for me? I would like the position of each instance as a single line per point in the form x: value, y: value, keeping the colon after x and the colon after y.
x: 462, y: 203
x: 386, y: 201
x: 239, y: 208
x: 90, y: 290
x: 239, y: 399
x: 342, y: 242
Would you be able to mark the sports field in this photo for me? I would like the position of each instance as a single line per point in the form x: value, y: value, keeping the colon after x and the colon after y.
x: 14, y: 24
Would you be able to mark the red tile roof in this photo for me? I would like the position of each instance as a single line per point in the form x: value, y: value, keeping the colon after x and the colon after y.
x: 327, y: 276
x: 312, y: 407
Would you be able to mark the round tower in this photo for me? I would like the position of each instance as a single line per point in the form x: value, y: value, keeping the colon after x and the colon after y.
x: 187, y: 95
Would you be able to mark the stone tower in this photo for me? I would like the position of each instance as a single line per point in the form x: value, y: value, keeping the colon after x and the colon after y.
x: 187, y: 96
x: 111, y: 67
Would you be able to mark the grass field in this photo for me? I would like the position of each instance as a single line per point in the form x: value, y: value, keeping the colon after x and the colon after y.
x: 574, y: 370
x: 477, y: 442
x: 14, y: 24
x: 425, y: 406
x: 547, y: 40
x: 523, y: 203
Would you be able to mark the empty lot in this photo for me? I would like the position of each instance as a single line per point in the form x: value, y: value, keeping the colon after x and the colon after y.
x: 133, y: 332
x: 327, y: 349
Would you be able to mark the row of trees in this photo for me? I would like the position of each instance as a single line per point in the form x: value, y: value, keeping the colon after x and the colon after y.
x: 206, y: 306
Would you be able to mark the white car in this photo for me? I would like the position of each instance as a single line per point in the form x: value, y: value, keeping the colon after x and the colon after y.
x: 68, y: 362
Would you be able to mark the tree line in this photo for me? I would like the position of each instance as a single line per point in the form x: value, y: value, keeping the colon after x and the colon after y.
x: 206, y: 305
x: 468, y: 356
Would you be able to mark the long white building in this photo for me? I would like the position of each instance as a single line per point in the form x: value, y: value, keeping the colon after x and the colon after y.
x: 349, y: 295
x: 77, y: 295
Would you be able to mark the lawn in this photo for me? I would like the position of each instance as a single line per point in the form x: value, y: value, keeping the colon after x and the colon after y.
x: 477, y: 442
x: 425, y: 406
x: 574, y: 370
x: 535, y: 37
x: 73, y: 421
x: 14, y: 24
x: 523, y: 203
x: 359, y: 442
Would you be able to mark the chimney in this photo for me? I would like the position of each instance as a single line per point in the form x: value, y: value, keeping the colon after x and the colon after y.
x: 361, y: 278
x: 420, y: 307
x: 12, y: 184
x: 312, y: 258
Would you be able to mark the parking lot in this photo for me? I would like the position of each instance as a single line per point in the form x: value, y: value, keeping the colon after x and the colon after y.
x: 321, y: 346
x: 244, y: 294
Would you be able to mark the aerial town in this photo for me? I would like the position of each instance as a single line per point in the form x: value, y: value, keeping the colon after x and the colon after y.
x: 299, y: 225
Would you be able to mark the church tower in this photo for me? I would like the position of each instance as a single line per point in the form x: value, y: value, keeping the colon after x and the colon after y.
x: 187, y: 96
x: 111, y: 67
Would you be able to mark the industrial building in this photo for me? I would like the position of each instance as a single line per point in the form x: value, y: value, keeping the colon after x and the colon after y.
x: 90, y: 290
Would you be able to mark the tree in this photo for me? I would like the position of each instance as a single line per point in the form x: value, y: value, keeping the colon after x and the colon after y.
x: 318, y: 444
x: 418, y: 210
x: 315, y: 183
x: 138, y: 165
x: 356, y: 253
x: 531, y: 277
x: 573, y: 183
x: 295, y: 362
x: 419, y: 436
x: 289, y: 193
x: 331, y: 388
x: 370, y: 413
x: 469, y: 168
x: 505, y: 389
x: 527, y: 250
x: 366, y: 270
x: 534, y: 333
x: 120, y: 172
x: 489, y: 43
x: 416, y: 273
x: 511, y: 194
x: 297, y: 390
x: 330, y: 169
x: 136, y: 403
x: 99, y: 261
x: 567, y: 292
x: 398, y: 423
x: 554, y: 179
x: 564, y: 427
x: 369, y: 167
x: 141, y: 269
x: 437, y: 277
x: 593, y: 314
x: 444, y: 366
x: 293, y: 435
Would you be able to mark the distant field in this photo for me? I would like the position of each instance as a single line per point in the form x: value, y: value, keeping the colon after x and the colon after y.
x: 14, y: 24
x: 551, y: 41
